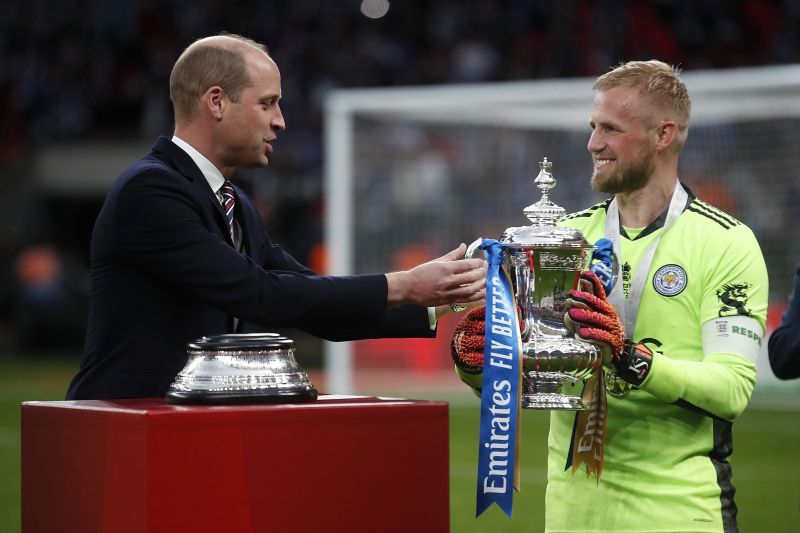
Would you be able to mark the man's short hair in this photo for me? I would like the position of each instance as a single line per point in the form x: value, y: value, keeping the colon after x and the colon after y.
x: 220, y: 61
x: 657, y: 81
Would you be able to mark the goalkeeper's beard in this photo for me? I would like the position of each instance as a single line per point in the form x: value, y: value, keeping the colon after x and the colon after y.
x: 624, y: 179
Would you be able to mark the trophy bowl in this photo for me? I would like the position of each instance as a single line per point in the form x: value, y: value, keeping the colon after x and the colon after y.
x: 241, y: 368
x: 544, y: 262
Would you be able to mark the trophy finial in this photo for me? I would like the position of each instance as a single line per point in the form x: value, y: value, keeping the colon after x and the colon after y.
x: 545, y: 180
x: 544, y: 212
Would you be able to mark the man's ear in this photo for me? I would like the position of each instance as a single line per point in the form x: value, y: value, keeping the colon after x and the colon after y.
x: 666, y: 134
x: 214, y: 101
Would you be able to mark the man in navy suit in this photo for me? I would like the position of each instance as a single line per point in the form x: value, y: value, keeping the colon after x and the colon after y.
x: 784, y: 343
x: 167, y: 267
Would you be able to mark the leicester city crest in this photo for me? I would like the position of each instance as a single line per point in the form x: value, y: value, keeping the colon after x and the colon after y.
x: 669, y: 280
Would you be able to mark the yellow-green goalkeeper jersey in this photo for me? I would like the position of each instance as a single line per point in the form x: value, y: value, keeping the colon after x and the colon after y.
x: 667, y: 442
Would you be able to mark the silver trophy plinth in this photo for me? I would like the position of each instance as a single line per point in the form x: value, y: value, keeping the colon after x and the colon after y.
x: 241, y: 368
x: 544, y: 262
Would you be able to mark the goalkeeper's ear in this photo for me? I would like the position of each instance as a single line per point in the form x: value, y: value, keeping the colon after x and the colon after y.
x: 473, y: 381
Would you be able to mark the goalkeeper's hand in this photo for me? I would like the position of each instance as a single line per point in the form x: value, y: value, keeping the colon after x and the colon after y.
x: 466, y: 347
x: 593, y: 319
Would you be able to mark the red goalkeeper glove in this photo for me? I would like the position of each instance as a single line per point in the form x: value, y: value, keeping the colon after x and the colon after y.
x: 466, y: 347
x: 593, y: 319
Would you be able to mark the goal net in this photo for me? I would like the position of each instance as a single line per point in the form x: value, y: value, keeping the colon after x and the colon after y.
x: 413, y: 172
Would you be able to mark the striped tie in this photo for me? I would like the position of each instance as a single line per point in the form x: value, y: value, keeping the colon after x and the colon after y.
x: 227, y: 203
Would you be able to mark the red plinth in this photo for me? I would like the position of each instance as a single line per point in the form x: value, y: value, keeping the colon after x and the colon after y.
x: 345, y: 464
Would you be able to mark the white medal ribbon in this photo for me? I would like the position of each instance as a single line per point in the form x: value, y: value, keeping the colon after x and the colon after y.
x: 629, y: 308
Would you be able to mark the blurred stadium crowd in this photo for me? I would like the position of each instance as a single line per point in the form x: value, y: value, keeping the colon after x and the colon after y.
x: 83, y: 70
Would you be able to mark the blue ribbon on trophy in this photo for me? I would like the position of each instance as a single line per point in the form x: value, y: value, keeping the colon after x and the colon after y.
x: 498, y: 468
x: 604, y: 266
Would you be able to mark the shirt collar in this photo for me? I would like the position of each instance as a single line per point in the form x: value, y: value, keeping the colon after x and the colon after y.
x: 210, y: 172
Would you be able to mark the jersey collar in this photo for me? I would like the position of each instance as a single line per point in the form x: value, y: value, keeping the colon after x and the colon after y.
x: 658, y: 223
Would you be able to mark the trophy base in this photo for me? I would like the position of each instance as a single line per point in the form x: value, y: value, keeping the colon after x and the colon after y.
x: 552, y: 390
x: 240, y: 397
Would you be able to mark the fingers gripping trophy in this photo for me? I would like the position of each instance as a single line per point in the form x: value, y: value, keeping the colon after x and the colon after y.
x: 568, y: 330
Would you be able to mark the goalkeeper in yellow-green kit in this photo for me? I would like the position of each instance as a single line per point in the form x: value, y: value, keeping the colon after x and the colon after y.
x: 680, y: 331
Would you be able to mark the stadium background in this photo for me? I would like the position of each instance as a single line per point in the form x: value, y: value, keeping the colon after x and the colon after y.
x: 84, y: 85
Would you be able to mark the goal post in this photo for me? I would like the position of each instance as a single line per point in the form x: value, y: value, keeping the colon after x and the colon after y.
x: 411, y: 172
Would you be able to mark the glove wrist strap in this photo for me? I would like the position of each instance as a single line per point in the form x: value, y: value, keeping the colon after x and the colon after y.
x: 634, y: 364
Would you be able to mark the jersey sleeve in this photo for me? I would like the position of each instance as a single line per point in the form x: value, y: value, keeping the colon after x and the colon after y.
x: 736, y: 282
x: 735, y: 285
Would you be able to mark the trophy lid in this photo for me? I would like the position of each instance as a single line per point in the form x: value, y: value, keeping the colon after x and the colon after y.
x: 242, y: 341
x: 543, y: 216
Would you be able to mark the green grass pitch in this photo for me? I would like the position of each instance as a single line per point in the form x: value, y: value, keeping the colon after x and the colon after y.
x: 766, y: 459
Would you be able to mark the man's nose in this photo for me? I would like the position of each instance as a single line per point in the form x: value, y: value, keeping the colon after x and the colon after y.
x: 595, y: 144
x: 278, y: 122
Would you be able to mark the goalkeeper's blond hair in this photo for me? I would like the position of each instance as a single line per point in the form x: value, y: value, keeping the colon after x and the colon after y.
x: 660, y: 83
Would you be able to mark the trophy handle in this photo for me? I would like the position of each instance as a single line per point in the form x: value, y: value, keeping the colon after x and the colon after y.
x: 472, y: 248
x: 605, y: 263
x: 470, y: 253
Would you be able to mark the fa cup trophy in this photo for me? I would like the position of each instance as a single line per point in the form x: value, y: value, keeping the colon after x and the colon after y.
x: 544, y: 262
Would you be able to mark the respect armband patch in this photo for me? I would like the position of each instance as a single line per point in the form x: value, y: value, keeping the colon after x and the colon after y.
x: 742, y: 335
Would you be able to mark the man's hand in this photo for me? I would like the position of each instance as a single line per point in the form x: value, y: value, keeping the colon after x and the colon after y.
x: 443, y: 281
x: 592, y: 319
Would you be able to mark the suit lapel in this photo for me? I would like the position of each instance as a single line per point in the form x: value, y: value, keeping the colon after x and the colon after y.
x: 180, y: 160
x: 250, y: 222
x: 184, y: 164
x: 222, y: 222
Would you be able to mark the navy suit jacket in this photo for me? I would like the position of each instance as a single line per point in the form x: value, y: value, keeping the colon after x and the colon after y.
x: 784, y: 343
x: 164, y: 273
